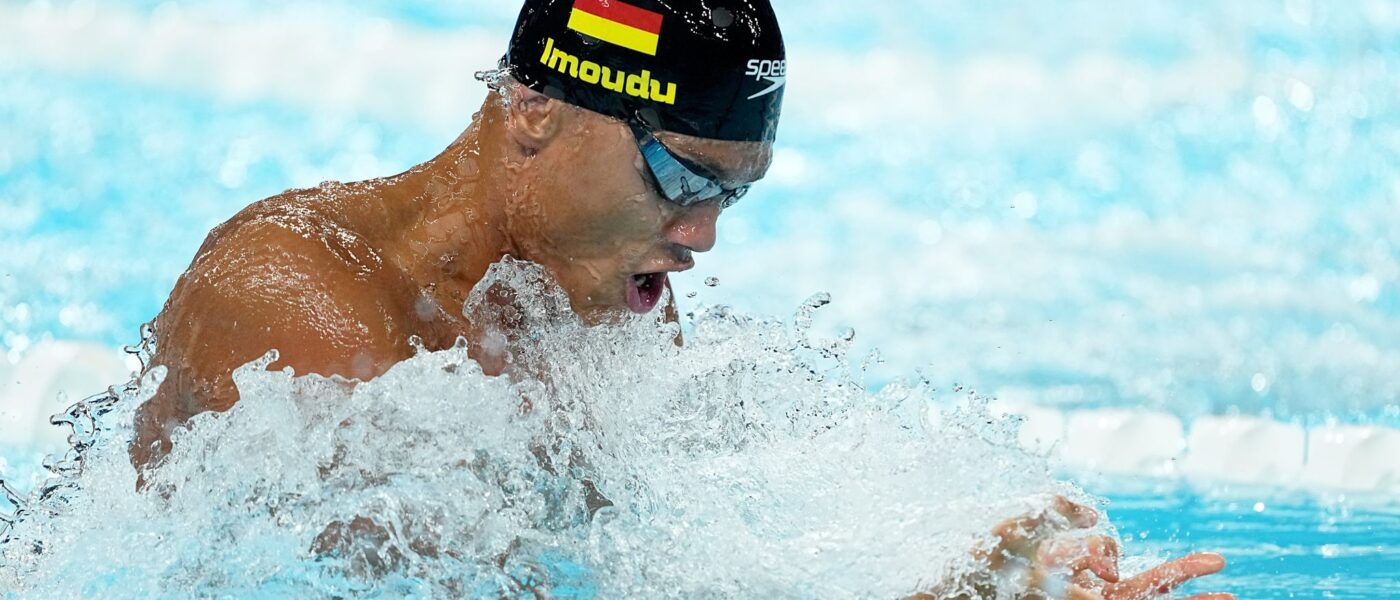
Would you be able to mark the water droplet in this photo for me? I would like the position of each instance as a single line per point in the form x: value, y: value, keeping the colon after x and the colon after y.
x: 711, y: 281
x: 930, y: 232
x: 1025, y: 205
x: 1259, y: 507
x: 816, y: 301
x: 1259, y: 382
x: 692, y: 294
x: 871, y: 359
x: 722, y: 17
x: 1301, y: 95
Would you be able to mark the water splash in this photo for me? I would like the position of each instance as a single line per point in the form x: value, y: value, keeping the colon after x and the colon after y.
x: 749, y: 462
x: 87, y: 421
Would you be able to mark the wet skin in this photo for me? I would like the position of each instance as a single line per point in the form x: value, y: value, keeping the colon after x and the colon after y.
x: 1052, y: 553
x: 338, y: 278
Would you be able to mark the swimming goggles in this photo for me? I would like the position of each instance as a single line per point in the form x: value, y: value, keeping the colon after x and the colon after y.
x: 681, y: 181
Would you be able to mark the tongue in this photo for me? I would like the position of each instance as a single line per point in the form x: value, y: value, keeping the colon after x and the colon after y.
x: 634, y: 298
x: 642, y: 298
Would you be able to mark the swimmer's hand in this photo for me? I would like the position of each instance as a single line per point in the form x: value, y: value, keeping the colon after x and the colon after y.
x: 1053, y: 555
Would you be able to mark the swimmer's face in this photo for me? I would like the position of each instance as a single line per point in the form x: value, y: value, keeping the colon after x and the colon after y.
x: 587, y: 208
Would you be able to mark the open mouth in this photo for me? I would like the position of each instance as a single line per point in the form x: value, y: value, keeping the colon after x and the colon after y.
x: 644, y: 291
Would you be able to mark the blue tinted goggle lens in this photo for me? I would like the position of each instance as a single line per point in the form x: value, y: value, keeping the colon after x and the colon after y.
x: 679, y: 180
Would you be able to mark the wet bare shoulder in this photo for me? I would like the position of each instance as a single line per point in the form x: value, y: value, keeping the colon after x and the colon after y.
x: 292, y: 263
x: 339, y: 220
x: 284, y: 274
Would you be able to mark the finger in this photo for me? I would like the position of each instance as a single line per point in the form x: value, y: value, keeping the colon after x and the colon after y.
x: 1163, y: 578
x: 1087, y: 581
x: 1017, y: 535
x: 1078, y: 515
x: 1083, y: 593
x: 1052, y: 582
x: 1064, y: 553
x: 1103, y: 558
x: 1097, y: 554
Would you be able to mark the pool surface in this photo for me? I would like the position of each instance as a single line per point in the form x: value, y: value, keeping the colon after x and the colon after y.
x: 1187, y: 209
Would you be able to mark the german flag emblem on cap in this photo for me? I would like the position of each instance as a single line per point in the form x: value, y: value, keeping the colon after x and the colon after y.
x: 618, y: 23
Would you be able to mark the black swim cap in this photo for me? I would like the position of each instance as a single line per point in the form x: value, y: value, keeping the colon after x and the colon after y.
x: 714, y: 71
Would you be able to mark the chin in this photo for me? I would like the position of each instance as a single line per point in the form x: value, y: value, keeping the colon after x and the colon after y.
x: 594, y: 315
x: 593, y: 306
x: 630, y: 295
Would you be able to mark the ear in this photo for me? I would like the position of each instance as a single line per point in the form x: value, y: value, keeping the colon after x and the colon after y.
x: 533, y: 119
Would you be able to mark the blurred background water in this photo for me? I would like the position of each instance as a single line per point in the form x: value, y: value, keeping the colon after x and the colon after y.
x: 1189, y: 207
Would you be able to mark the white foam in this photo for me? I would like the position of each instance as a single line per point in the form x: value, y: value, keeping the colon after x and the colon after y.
x: 985, y: 298
x: 1042, y: 430
x: 397, y: 71
x: 393, y: 71
x: 1354, y: 458
x: 1235, y: 449
x: 748, y: 465
x: 1245, y: 450
x: 1006, y: 93
x: 1124, y: 441
x: 49, y: 376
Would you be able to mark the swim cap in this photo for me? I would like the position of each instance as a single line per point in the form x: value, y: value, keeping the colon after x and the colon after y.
x: 714, y: 71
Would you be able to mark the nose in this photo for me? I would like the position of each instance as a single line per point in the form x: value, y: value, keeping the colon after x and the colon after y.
x: 694, y: 227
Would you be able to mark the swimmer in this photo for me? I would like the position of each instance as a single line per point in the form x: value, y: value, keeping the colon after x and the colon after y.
x: 609, y: 143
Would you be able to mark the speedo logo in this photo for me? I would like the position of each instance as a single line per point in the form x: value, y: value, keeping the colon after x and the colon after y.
x: 638, y: 86
x: 775, y: 71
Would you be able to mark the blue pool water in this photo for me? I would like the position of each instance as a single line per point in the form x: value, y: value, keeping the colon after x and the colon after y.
x: 1278, y: 547
x: 1190, y: 208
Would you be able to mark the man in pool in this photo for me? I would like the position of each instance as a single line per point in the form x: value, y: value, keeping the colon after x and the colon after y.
x: 605, y: 151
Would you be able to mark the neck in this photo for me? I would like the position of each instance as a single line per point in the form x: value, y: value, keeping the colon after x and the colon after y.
x: 458, y: 228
